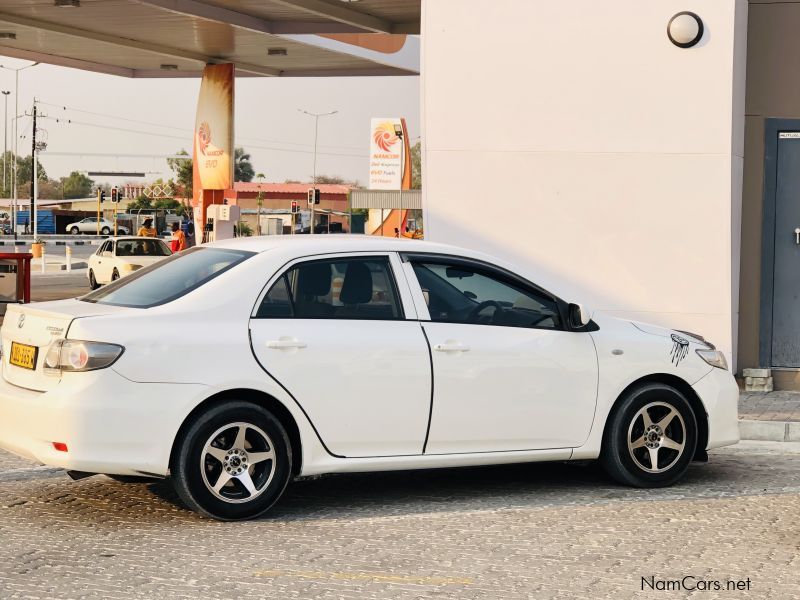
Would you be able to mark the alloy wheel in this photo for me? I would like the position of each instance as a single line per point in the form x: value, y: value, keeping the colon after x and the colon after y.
x: 656, y: 437
x: 238, y: 462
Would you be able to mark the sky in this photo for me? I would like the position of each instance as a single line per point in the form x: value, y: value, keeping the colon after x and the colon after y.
x: 156, y: 117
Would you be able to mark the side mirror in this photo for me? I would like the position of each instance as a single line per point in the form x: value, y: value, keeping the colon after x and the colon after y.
x: 107, y: 253
x: 578, y: 316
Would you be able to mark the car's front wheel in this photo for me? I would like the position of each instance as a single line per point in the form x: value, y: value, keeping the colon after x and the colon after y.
x: 75, y: 231
x: 105, y: 231
x: 93, y: 280
x: 650, y: 437
x: 233, y: 461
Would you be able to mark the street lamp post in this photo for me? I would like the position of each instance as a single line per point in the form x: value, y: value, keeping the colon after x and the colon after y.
x: 316, y: 131
x: 16, y: 139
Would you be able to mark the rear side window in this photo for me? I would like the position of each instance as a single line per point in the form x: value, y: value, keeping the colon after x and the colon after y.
x: 350, y: 288
x: 169, y: 279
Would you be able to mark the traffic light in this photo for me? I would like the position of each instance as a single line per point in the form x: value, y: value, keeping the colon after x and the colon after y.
x: 101, y: 195
x: 295, y: 207
x: 114, y: 194
x: 313, y: 196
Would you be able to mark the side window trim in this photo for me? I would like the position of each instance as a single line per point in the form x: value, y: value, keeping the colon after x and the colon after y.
x: 282, y: 273
x: 500, y: 274
x: 474, y: 263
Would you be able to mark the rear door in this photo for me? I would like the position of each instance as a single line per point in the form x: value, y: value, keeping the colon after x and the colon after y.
x: 340, y: 334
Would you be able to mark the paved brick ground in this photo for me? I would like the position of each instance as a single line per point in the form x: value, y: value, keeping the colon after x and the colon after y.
x: 518, y: 532
x: 773, y: 406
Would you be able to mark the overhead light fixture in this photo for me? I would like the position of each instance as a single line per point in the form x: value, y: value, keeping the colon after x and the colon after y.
x: 8, y: 35
x: 685, y: 29
x: 169, y: 67
x: 277, y: 52
x: 67, y: 3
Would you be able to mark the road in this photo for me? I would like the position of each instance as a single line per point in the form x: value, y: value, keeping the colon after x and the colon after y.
x: 525, y: 531
x: 55, y: 286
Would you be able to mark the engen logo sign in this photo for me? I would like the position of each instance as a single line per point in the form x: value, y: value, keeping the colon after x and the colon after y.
x: 388, y: 155
x: 213, y: 150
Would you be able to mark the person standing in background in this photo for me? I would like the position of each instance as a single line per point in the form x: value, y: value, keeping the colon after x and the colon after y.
x: 147, y: 229
x: 178, y: 238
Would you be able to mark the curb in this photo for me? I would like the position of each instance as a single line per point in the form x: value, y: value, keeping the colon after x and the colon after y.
x: 770, y: 431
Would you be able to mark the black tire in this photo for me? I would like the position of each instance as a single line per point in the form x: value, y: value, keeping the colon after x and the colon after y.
x: 114, y: 275
x: 75, y: 231
x: 92, y: 280
x: 268, y: 478
x: 626, y: 429
x: 105, y: 231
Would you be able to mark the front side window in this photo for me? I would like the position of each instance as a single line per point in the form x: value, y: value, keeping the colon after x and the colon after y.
x: 106, y: 247
x: 466, y: 294
x: 168, y: 279
x: 342, y: 288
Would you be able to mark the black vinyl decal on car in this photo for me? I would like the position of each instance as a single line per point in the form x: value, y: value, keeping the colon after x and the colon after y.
x: 680, y: 348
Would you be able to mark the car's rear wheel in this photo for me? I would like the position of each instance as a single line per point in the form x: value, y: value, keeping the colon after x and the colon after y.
x: 233, y: 461
x: 93, y: 280
x: 650, y: 437
x: 105, y: 231
x: 114, y: 275
x: 74, y: 231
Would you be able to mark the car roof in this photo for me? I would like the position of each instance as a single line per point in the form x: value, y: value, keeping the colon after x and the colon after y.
x: 122, y: 238
x: 326, y: 243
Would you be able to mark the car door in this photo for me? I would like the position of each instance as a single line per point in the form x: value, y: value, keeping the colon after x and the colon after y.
x: 508, y: 375
x: 104, y: 262
x: 341, y: 336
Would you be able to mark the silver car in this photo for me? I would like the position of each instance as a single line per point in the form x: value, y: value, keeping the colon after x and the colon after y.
x: 89, y: 225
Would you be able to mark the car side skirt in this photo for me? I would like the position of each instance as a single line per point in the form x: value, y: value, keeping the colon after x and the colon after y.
x: 432, y: 461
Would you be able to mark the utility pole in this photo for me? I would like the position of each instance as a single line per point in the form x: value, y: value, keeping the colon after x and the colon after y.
x: 316, y: 130
x: 5, y: 138
x: 34, y: 175
x: 14, y: 173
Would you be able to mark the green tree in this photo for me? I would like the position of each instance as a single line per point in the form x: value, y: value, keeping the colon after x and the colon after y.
x: 242, y: 167
x: 178, y: 207
x: 141, y: 202
x: 184, y: 173
x: 77, y: 185
x: 416, y: 166
x: 25, y: 170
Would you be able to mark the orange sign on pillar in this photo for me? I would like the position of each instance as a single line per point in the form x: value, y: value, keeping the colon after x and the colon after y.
x: 212, y: 152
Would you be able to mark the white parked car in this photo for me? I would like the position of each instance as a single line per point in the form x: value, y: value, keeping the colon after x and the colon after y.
x: 280, y: 356
x: 119, y: 257
x: 89, y: 226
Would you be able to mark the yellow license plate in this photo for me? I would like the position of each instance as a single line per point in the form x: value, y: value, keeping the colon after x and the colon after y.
x: 23, y: 355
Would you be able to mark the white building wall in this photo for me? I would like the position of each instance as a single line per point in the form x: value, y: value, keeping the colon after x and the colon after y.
x: 615, y: 156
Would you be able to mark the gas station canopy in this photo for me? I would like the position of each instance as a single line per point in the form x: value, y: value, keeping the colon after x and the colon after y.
x: 177, y: 38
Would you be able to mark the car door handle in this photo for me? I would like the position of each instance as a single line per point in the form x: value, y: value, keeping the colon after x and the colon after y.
x: 286, y: 344
x: 451, y: 347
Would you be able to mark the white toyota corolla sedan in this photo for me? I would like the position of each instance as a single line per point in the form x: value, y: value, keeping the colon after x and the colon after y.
x: 234, y: 366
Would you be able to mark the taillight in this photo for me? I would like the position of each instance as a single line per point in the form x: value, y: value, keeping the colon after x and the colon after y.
x: 75, y: 355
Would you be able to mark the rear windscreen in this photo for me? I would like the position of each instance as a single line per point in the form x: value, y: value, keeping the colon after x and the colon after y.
x: 169, y: 279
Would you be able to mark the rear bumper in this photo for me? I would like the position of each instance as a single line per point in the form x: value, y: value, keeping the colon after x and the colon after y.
x: 109, y: 424
x: 720, y: 395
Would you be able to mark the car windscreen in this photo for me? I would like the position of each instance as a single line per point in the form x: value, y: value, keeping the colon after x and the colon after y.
x: 168, y: 279
x: 142, y: 248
